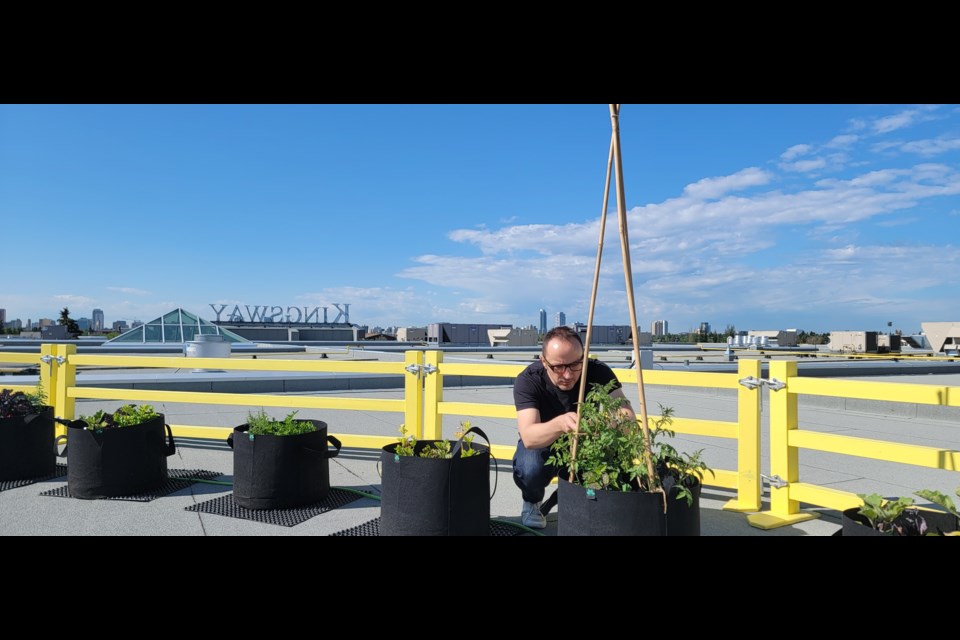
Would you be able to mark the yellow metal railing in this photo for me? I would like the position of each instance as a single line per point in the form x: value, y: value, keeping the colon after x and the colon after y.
x: 746, y: 430
x: 28, y: 358
x: 411, y: 407
x: 786, y: 440
x: 423, y: 407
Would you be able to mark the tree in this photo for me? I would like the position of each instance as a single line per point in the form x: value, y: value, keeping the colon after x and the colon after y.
x: 72, y: 327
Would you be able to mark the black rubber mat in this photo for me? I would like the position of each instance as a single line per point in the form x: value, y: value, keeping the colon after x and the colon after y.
x: 177, y: 479
x: 13, y: 484
x: 372, y: 528
x: 225, y: 506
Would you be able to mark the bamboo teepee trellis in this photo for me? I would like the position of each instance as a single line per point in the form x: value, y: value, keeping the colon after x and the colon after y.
x: 615, y: 162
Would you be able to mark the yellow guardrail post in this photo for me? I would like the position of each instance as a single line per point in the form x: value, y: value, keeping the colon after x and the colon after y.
x: 48, y: 373
x: 749, y: 487
x: 784, y: 459
x: 413, y: 392
x: 432, y: 396
x: 48, y: 379
x: 66, y: 377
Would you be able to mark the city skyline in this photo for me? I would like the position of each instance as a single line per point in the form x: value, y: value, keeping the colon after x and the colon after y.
x: 818, y: 217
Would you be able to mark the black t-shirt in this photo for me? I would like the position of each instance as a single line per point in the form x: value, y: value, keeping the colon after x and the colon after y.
x: 534, y: 390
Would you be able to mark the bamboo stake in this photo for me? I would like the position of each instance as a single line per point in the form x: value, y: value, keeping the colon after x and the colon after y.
x: 628, y: 276
x: 593, y: 304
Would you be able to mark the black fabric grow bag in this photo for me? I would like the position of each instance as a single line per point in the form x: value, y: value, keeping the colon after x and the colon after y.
x: 119, y: 461
x: 281, y: 472
x: 682, y: 519
x: 608, y: 513
x: 436, y: 497
x: 27, y: 448
x: 854, y: 524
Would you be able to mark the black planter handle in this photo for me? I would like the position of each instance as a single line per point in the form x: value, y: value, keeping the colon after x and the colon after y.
x: 56, y: 443
x: 325, y: 453
x: 459, y: 444
x: 171, y: 445
x: 335, y: 442
x: 496, y: 467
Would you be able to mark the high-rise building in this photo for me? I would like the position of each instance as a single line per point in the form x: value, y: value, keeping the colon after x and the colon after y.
x: 704, y: 328
x: 3, y: 316
x: 97, y: 320
x: 659, y: 328
x: 560, y: 319
x: 543, y: 321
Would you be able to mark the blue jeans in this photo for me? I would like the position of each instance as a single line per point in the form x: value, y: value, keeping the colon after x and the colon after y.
x: 531, y: 472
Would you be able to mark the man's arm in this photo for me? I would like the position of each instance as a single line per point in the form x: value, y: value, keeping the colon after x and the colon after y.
x: 536, y: 434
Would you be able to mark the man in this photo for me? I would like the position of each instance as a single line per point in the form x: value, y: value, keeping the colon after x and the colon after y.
x: 546, y: 395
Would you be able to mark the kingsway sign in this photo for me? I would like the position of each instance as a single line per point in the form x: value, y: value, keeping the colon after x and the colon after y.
x: 268, y: 313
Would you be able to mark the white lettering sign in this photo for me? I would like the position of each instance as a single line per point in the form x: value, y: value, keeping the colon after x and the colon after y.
x: 260, y: 313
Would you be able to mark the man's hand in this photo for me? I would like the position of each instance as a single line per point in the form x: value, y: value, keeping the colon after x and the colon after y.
x: 566, y: 423
x: 536, y: 434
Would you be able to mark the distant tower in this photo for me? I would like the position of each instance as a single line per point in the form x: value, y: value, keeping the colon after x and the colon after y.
x: 560, y: 319
x: 704, y: 328
x: 3, y: 317
x: 97, y: 320
x: 543, y: 321
x: 659, y: 328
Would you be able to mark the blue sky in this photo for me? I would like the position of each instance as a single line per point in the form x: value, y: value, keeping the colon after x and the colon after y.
x: 816, y: 217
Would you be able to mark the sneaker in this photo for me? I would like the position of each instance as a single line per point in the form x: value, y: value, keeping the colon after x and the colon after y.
x: 531, y: 516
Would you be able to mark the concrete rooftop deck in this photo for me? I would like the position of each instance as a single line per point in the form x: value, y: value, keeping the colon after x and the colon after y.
x: 23, y: 511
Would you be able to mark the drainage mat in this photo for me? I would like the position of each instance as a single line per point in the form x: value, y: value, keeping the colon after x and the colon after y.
x: 226, y: 506
x: 177, y: 479
x: 372, y: 528
x: 60, y: 471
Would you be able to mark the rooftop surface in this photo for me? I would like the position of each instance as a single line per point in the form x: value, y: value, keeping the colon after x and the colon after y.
x: 23, y: 511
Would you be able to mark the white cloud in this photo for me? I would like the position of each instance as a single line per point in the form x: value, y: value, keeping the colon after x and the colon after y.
x: 382, y: 306
x: 712, y: 188
x: 931, y: 147
x: 902, y: 119
x: 541, y: 238
x: 844, y: 254
x: 804, y: 166
x: 480, y: 307
x: 691, y: 255
x: 129, y: 290
x: 899, y: 222
x: 75, y: 300
x: 885, y: 147
x: 858, y: 124
x: 839, y: 142
x: 876, y: 178
x: 795, y: 151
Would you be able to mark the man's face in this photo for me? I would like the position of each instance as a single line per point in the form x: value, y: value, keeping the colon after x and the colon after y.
x: 563, y: 361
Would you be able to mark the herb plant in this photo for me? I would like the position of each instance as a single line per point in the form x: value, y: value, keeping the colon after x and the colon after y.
x: 17, y: 404
x: 261, y: 424
x: 437, y: 450
x: 900, y: 517
x: 610, y: 452
x: 126, y: 416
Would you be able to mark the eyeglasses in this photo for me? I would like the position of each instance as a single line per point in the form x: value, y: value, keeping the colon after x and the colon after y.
x: 558, y: 369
